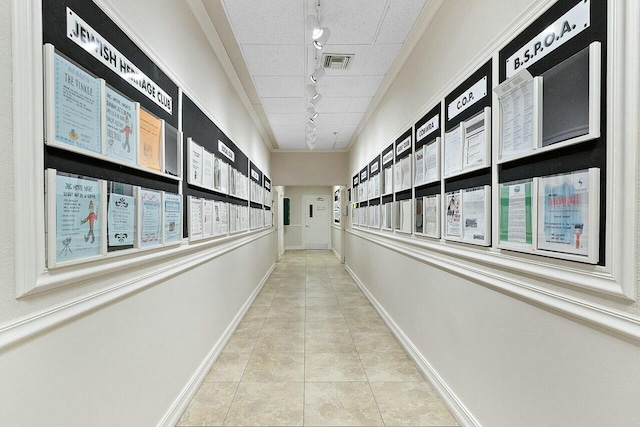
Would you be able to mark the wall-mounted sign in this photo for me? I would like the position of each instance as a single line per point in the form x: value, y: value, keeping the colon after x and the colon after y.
x: 375, y: 167
x: 469, y: 97
x: 555, y: 35
x: 427, y: 128
x: 90, y: 40
x: 255, y: 175
x: 403, y: 146
x: 363, y: 175
x: 355, y: 180
x: 387, y: 157
x: 226, y: 151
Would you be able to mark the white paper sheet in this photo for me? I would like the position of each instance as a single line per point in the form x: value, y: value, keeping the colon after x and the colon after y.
x: 207, y: 218
x: 406, y: 216
x: 195, y: 165
x: 474, y: 151
x: 207, y: 169
x: 419, y: 167
x: 452, y: 152
x: 431, y: 162
x: 431, y: 207
x: 516, y: 103
x: 388, y: 180
x: 406, y: 173
x: 397, y: 177
x: 452, y: 210
x: 474, y: 214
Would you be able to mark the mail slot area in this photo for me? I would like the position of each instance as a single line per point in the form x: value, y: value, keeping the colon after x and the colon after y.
x: 509, y: 160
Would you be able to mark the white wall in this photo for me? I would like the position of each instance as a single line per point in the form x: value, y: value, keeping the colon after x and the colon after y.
x: 95, y: 353
x: 293, y: 232
x: 508, y: 357
x: 310, y: 168
x: 337, y: 230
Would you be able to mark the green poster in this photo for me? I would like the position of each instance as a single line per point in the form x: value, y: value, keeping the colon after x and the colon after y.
x: 516, y: 213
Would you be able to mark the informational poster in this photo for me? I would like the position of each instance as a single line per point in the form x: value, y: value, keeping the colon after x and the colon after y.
x: 121, y: 123
x: 217, y: 224
x: 150, y: 218
x: 195, y: 163
x: 563, y: 217
x: 207, y: 218
x: 76, y: 106
x: 195, y: 218
x: 431, y: 162
x: 516, y: 97
x: 207, y: 169
x: 406, y: 172
x: 397, y: 175
x: 224, y: 177
x: 453, y: 226
x: 232, y: 181
x: 150, y: 141
x: 233, y: 224
x: 78, y: 222
x: 224, y: 218
x: 475, y: 146
x: 172, y: 217
x: 453, y: 152
x: 405, y: 211
x: 516, y: 213
x: 388, y: 181
x: 121, y: 220
x: 474, y: 214
x: 387, y: 209
x: 431, y: 208
x: 419, y: 167
x: 418, y: 217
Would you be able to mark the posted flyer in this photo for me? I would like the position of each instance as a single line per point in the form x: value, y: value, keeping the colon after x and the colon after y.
x: 121, y: 127
x: 453, y: 226
x: 150, y: 141
x: 516, y: 216
x: 150, y: 218
x: 121, y: 214
x: 172, y: 217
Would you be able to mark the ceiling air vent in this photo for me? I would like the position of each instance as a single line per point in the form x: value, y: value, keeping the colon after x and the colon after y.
x: 337, y: 61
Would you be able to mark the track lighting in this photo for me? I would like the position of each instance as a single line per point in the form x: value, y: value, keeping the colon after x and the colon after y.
x: 313, y: 93
x: 314, y: 101
x: 311, y: 127
x: 313, y: 26
x: 317, y: 75
x: 322, y: 40
x: 312, y: 112
x: 311, y: 145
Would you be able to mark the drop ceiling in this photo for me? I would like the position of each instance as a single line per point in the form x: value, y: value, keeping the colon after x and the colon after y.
x: 277, y: 58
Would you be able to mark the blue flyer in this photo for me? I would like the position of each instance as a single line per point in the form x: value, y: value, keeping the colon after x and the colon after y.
x: 121, y: 220
x: 172, y: 223
x: 150, y: 218
x: 121, y: 126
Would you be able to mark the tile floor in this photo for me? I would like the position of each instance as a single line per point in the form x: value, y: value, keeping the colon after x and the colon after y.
x: 313, y: 351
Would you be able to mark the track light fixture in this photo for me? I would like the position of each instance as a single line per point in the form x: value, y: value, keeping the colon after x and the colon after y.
x: 317, y: 75
x: 313, y: 26
x: 312, y: 112
x: 313, y: 93
x: 311, y: 127
x: 322, y: 40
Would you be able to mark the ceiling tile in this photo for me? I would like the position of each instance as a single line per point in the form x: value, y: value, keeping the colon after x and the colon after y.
x: 325, y: 145
x: 338, y: 86
x: 286, y: 119
x: 275, y: 60
x: 279, y: 86
x: 292, y: 144
x: 333, y: 105
x: 353, y: 118
x: 352, y: 22
x: 288, y: 131
x: 283, y: 105
x: 380, y: 59
x: 328, y: 119
x: 360, y: 52
x: 359, y: 105
x: 368, y: 85
x: 399, y: 20
x: 346, y: 133
x: 273, y: 22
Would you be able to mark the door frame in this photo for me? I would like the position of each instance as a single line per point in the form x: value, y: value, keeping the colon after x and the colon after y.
x: 304, y: 219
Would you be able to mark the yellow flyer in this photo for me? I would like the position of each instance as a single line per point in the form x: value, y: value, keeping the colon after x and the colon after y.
x: 150, y: 141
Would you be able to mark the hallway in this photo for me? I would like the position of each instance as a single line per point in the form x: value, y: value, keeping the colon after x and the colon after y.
x: 312, y: 351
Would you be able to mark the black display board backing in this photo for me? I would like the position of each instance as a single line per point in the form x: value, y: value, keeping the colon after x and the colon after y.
x: 204, y: 194
x: 469, y: 180
x: 387, y: 199
x: 267, y: 183
x: 363, y: 204
x: 256, y: 205
x: 374, y: 166
x: 356, y: 180
x: 77, y: 164
x: 399, y: 140
x: 591, y: 154
x: 384, y: 153
x: 349, y: 194
x: 254, y: 168
x: 336, y: 195
x: 374, y: 202
x: 54, y: 31
x: 430, y: 136
x: 474, y: 109
x: 428, y: 189
x: 403, y: 195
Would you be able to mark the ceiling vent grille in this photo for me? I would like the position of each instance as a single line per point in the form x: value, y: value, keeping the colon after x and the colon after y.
x: 335, y: 61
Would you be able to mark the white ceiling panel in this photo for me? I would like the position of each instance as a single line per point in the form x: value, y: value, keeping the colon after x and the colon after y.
x: 279, y: 86
x: 333, y: 105
x: 288, y: 131
x: 353, y: 118
x: 283, y: 105
x: 352, y: 22
x: 275, y: 60
x: 368, y: 85
x: 266, y: 22
x: 360, y: 52
x: 380, y: 59
x: 359, y: 105
x: 329, y: 119
x: 286, y: 119
x: 399, y: 20
x: 291, y: 144
x: 346, y: 133
x: 338, y: 86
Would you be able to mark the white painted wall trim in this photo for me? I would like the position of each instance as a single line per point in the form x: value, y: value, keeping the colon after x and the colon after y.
x: 293, y: 248
x: 174, y: 413
x: 482, y: 273
x: 455, y: 405
x: 336, y: 254
x: 46, y: 319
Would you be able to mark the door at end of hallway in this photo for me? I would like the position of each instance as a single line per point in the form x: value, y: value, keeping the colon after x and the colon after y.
x: 316, y: 227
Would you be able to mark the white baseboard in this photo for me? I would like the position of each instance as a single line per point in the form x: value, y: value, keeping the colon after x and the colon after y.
x: 336, y: 254
x: 455, y: 405
x: 184, y: 398
x: 293, y: 248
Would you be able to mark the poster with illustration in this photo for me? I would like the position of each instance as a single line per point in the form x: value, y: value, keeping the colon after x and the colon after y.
x: 453, y: 219
x: 121, y: 222
x: 77, y: 106
x: 78, y: 218
x: 150, y: 218
x: 563, y: 217
x: 121, y: 126
x: 172, y: 217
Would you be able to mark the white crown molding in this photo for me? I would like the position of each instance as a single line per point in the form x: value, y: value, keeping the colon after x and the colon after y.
x: 181, y: 403
x: 307, y: 151
x: 201, y: 15
x: 455, y: 404
x: 487, y: 274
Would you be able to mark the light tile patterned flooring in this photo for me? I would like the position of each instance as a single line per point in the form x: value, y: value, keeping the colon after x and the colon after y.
x: 313, y: 351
